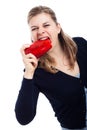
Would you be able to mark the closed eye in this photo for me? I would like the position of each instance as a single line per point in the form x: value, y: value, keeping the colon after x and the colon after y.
x: 33, y: 29
x: 46, y: 25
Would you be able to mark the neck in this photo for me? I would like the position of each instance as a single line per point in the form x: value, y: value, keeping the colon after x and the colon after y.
x: 60, y: 59
x: 57, y: 52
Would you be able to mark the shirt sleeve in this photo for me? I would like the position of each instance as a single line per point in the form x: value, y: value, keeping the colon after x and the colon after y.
x: 25, y: 108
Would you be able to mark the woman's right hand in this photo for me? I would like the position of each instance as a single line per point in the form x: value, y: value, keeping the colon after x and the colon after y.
x: 30, y: 62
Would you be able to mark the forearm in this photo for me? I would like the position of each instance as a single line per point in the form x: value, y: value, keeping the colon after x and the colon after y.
x: 25, y: 107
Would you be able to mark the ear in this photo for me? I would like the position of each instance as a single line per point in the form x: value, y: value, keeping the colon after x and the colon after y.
x: 59, y: 28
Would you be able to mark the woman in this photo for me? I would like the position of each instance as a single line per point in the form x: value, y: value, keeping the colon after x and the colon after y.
x: 60, y: 74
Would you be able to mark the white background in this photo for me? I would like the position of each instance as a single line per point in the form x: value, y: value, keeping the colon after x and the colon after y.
x: 14, y: 31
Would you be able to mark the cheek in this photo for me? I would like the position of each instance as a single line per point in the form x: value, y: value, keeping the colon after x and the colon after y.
x: 54, y: 39
x: 55, y: 36
x: 33, y: 36
x: 54, y: 32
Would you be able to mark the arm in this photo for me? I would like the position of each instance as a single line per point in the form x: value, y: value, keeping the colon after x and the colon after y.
x: 25, y: 108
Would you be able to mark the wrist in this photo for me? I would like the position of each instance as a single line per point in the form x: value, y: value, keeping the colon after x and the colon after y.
x: 28, y: 75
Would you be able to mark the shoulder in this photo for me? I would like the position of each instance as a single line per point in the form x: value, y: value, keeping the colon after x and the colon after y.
x: 81, y: 45
x: 81, y: 48
x: 80, y: 41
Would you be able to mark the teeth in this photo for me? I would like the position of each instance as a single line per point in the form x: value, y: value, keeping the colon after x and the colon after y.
x: 44, y: 38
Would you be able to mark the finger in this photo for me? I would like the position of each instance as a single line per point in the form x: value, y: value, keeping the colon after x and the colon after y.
x: 31, y: 56
x: 32, y: 59
x: 33, y: 62
x: 23, y: 48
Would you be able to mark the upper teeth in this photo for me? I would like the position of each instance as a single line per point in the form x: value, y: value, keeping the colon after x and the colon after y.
x: 44, y: 38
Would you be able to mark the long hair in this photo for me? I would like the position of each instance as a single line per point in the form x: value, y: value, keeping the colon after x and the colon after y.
x: 68, y: 45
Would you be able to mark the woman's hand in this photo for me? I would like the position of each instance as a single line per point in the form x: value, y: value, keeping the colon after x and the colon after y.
x: 30, y: 62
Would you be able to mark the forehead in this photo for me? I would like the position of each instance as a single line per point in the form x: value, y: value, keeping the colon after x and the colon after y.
x: 40, y: 18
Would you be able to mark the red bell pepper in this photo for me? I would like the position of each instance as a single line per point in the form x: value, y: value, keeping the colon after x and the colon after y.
x: 39, y: 48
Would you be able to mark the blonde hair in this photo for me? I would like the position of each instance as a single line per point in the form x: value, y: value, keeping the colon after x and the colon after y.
x: 68, y: 45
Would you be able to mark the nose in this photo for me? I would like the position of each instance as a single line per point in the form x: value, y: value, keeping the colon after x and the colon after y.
x: 41, y: 30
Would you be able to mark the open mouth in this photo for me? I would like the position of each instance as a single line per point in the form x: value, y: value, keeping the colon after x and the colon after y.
x: 43, y: 38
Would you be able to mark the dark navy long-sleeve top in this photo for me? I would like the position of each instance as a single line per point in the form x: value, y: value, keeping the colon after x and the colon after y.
x: 65, y: 93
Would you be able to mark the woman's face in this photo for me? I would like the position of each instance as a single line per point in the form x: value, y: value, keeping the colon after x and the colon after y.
x: 42, y: 27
